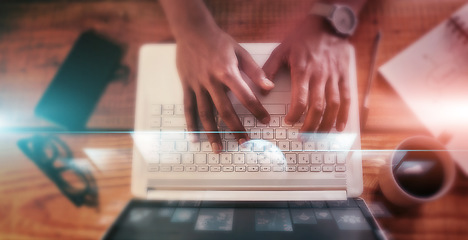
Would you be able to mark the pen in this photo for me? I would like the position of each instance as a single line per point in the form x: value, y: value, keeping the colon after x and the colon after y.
x: 365, y: 103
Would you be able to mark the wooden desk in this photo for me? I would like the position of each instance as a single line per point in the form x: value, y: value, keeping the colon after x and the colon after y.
x: 36, y: 36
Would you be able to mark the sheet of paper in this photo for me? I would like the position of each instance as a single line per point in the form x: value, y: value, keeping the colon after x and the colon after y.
x: 431, y: 76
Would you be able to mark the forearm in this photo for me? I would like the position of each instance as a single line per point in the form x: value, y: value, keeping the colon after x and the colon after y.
x: 188, y: 17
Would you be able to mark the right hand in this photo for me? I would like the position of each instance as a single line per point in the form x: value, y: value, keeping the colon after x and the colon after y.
x: 209, y: 64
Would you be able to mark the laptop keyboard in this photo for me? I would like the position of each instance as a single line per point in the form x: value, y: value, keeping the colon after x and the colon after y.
x: 273, y: 147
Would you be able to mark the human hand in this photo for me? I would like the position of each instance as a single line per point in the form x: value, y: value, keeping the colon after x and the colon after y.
x: 319, y: 63
x: 209, y: 63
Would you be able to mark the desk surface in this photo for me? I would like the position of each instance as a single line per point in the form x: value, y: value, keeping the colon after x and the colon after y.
x: 35, y: 37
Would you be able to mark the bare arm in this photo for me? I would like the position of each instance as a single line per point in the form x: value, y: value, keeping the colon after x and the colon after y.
x: 209, y: 62
x: 319, y: 61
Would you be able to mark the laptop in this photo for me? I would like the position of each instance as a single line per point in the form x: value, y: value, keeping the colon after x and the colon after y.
x: 273, y: 184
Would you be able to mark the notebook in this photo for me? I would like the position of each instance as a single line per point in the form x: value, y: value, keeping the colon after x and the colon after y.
x: 431, y: 77
x: 273, y: 166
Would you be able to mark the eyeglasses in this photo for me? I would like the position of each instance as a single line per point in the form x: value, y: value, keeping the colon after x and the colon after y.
x: 55, y: 159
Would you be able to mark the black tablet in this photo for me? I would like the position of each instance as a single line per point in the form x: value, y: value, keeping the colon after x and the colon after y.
x: 174, y: 220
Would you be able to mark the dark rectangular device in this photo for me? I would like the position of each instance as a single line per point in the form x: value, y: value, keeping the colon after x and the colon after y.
x: 76, y: 88
x: 190, y: 220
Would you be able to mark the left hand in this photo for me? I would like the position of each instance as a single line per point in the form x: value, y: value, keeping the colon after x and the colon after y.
x: 319, y: 61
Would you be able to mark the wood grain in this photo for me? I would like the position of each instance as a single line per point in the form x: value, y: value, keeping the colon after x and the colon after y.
x: 35, y: 37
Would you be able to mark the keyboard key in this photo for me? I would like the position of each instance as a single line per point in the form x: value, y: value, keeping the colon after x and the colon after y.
x: 283, y: 146
x: 246, y: 147
x: 240, y: 169
x: 228, y: 169
x: 329, y: 158
x: 215, y: 169
x: 206, y: 146
x: 228, y: 135
x: 340, y: 158
x: 268, y: 133
x: 174, y: 122
x: 203, y: 168
x: 239, y: 159
x: 309, y: 146
x: 304, y: 158
x: 190, y: 168
x: 213, y: 159
x: 263, y: 158
x: 275, y: 121
x: 165, y: 168
x: 316, y: 158
x: 327, y: 168
x: 259, y: 147
x: 187, y: 158
x: 226, y: 159
x: 167, y: 146
x: 153, y: 168
x: 296, y: 146
x: 293, y: 133
x: 168, y: 112
x: 255, y: 133
x: 252, y: 169
x: 170, y: 158
x: 303, y: 168
x: 340, y: 168
x: 179, y: 109
x: 265, y: 169
x: 194, y: 146
x: 249, y: 121
x: 200, y: 158
x: 278, y: 169
x: 290, y: 168
x: 232, y: 146
x: 178, y: 168
x: 316, y: 168
x: 322, y: 146
x: 281, y: 133
x: 251, y: 158
x: 291, y: 158
x: 181, y: 146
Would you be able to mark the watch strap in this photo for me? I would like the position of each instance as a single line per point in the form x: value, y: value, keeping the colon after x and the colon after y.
x: 322, y: 9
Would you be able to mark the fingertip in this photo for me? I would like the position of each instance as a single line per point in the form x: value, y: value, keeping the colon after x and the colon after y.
x: 340, y: 127
x: 216, y: 147
x: 267, y: 84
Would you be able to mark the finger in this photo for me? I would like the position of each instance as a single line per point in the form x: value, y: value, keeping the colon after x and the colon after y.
x: 332, y: 99
x: 345, y: 98
x: 227, y: 113
x: 316, y: 104
x: 274, y: 62
x: 255, y: 73
x: 190, y: 110
x: 300, y: 80
x: 205, y: 112
x: 233, y: 80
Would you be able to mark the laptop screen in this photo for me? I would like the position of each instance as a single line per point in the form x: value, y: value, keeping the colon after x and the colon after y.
x: 348, y: 219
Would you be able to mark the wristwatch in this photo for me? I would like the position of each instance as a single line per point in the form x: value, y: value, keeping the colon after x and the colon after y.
x: 341, y: 17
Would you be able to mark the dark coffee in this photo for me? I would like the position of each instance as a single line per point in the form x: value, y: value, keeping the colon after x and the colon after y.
x: 418, y: 172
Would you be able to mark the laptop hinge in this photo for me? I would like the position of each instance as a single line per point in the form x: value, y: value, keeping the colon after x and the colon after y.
x: 246, y: 195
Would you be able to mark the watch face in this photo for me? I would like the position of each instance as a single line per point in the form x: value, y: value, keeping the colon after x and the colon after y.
x: 344, y: 20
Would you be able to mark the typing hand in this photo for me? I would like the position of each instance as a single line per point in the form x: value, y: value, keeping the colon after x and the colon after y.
x: 209, y: 65
x: 319, y: 76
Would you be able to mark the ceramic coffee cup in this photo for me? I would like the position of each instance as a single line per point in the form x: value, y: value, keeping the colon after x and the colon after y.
x: 419, y: 170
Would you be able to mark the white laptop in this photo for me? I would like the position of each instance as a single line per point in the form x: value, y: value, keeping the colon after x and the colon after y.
x: 273, y: 166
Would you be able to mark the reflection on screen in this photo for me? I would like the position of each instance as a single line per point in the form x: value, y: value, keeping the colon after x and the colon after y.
x: 215, y: 219
x: 244, y: 220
